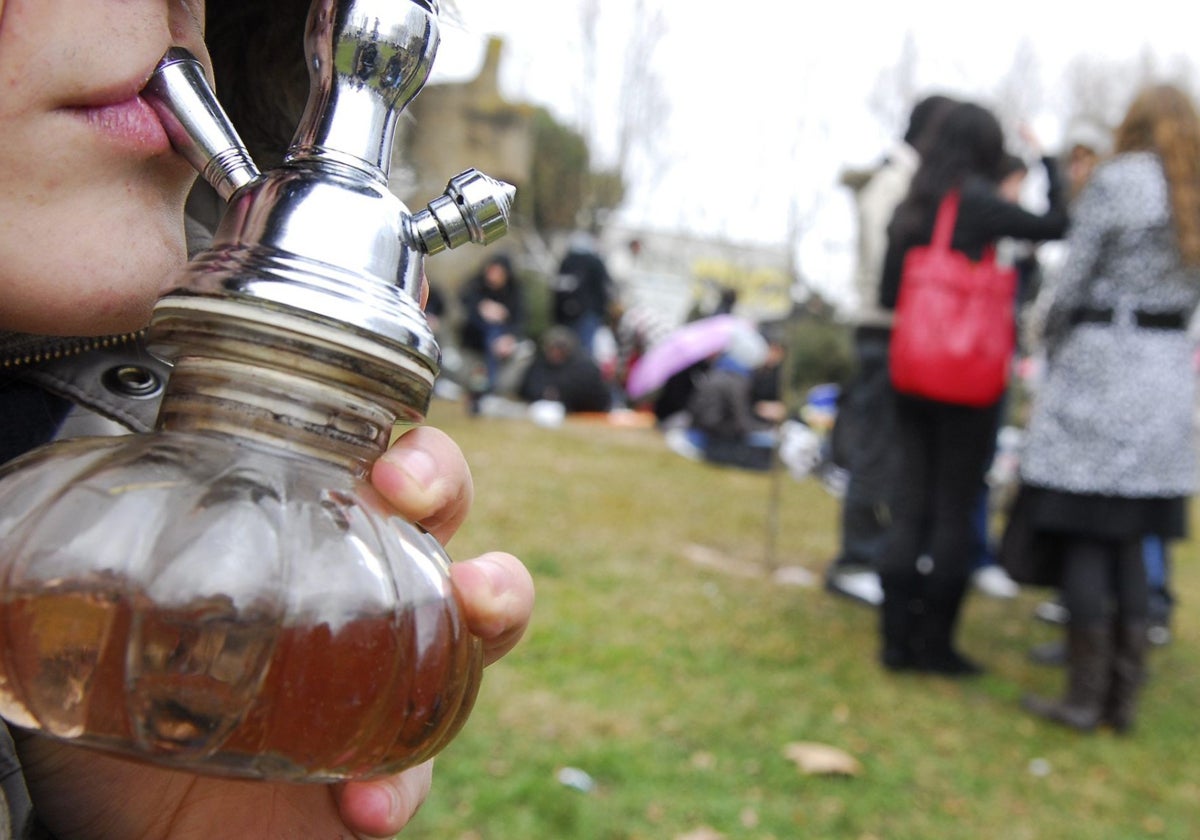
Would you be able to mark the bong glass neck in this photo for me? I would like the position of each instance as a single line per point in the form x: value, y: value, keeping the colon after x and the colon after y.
x: 261, y: 384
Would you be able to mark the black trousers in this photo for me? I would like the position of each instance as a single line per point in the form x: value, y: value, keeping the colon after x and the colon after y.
x: 864, y: 444
x: 1103, y: 579
x: 943, y: 453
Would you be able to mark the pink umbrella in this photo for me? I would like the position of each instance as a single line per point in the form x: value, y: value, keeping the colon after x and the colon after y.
x: 681, y: 349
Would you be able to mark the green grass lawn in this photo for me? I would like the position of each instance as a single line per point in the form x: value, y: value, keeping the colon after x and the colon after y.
x: 677, y: 686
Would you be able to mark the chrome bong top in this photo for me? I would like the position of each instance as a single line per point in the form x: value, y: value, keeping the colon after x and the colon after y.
x: 228, y: 593
x: 321, y: 236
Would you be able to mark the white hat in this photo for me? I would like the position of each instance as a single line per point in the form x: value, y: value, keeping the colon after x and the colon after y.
x: 747, y: 347
x: 1089, y: 135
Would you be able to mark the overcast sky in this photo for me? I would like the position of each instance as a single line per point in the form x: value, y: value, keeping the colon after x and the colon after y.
x: 769, y: 100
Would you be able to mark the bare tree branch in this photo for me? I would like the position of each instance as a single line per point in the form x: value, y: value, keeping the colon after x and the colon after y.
x: 895, y: 90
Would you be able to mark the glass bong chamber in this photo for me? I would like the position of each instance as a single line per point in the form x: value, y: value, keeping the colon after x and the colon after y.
x: 228, y: 594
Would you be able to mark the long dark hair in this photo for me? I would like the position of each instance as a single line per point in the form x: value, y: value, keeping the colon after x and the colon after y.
x: 967, y: 142
x: 257, y: 49
x: 924, y: 119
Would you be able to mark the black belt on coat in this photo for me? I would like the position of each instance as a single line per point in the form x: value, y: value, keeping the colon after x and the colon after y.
x: 1175, y: 320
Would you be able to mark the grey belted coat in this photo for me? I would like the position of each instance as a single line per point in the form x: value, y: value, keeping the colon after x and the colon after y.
x: 1114, y: 414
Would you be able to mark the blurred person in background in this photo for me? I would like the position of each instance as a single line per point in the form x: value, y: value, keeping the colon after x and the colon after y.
x: 767, y: 388
x: 583, y: 291
x: 863, y: 429
x: 493, y: 304
x: 943, y: 450
x: 562, y: 373
x: 1086, y: 145
x: 1108, y: 456
x: 989, y: 576
x: 722, y: 425
x: 639, y: 327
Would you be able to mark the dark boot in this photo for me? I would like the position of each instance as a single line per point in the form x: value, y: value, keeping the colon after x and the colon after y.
x: 1052, y: 654
x: 938, y: 654
x: 1127, y: 675
x: 1089, y: 661
x: 899, y: 622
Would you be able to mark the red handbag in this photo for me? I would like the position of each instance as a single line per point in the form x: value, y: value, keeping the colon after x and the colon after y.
x: 954, y: 332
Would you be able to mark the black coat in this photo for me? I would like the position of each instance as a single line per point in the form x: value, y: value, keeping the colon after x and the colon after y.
x: 474, y: 327
x: 576, y: 383
x: 583, y: 286
x: 983, y: 217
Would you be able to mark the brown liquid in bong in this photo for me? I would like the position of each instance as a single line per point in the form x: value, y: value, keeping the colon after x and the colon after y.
x: 200, y: 690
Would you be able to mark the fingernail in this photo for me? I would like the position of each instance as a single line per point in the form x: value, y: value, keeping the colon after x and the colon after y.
x: 418, y: 464
x: 496, y: 574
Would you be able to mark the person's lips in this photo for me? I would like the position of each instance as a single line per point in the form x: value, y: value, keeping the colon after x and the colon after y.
x: 131, y: 122
x: 118, y: 113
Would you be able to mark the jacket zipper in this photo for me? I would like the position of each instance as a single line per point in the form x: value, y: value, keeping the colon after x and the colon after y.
x: 49, y: 349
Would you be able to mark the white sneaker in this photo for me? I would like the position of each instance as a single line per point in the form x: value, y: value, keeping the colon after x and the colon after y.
x: 1051, y: 612
x: 834, y: 479
x: 858, y: 586
x: 679, y: 443
x: 799, y: 449
x: 1158, y: 635
x: 994, y: 582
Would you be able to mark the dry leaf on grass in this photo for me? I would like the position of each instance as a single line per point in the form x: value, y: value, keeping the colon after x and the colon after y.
x: 822, y: 760
x: 701, y: 833
x: 710, y: 558
x: 794, y: 576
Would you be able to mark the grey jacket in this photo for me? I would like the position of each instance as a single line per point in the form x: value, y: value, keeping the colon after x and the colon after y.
x: 1114, y: 415
x: 721, y: 405
x: 875, y: 201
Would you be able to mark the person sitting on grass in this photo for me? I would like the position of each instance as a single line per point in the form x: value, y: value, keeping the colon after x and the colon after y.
x: 562, y: 373
x: 723, y: 426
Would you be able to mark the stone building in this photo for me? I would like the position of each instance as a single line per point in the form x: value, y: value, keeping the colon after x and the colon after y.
x: 681, y: 274
x: 450, y: 127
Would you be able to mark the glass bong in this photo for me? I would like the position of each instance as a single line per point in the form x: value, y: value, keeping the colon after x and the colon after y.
x: 228, y: 594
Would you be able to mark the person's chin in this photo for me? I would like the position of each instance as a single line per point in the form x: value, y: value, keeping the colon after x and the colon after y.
x: 100, y: 315
x: 76, y: 317
x: 119, y: 293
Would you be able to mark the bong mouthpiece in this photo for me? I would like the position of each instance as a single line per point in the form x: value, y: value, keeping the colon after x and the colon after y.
x: 198, y: 128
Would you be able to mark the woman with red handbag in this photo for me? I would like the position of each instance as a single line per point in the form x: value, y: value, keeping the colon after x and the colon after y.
x: 946, y: 440
x: 1109, y: 455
